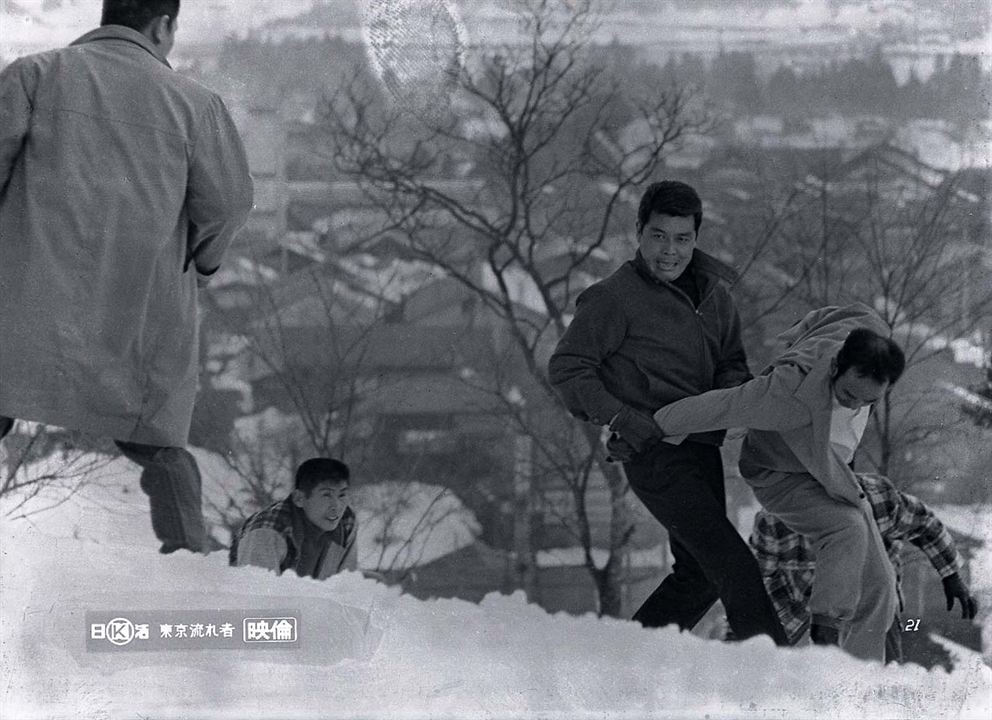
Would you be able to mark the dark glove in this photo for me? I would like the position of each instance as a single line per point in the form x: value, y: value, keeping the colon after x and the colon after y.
x: 954, y: 587
x: 638, y: 429
x: 618, y: 449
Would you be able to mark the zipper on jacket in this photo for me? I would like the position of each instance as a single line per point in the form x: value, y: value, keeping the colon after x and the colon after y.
x: 697, y: 312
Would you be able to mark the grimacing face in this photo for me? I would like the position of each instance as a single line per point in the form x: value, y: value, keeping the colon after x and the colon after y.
x: 854, y: 390
x: 325, y: 505
x: 666, y: 243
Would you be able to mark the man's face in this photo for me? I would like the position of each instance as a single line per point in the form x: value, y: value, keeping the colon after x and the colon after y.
x: 666, y: 243
x: 854, y: 391
x: 325, y: 505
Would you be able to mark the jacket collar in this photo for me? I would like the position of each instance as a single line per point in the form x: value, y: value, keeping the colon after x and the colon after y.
x: 709, y: 265
x: 119, y: 32
x: 816, y: 393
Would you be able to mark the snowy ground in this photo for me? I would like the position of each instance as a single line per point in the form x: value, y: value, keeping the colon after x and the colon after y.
x: 364, y: 650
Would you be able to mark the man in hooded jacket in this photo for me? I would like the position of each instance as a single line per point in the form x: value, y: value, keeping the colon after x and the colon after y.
x: 806, y: 414
x: 122, y: 183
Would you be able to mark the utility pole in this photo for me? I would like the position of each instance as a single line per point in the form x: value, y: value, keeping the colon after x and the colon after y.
x: 523, y: 552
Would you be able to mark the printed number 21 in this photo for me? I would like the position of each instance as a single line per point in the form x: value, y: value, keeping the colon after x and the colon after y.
x: 912, y: 625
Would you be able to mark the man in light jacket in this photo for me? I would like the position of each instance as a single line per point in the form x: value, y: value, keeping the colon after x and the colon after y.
x: 806, y: 414
x: 121, y: 185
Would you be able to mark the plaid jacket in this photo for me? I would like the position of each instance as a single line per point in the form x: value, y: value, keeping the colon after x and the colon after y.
x: 788, y: 563
x: 288, y: 521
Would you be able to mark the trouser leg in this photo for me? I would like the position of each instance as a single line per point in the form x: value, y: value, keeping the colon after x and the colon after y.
x: 683, y: 487
x: 893, y: 642
x: 683, y: 597
x: 171, y: 479
x: 879, y: 603
x: 854, y: 586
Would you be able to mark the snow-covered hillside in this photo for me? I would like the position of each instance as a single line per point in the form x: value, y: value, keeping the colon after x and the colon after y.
x: 364, y: 650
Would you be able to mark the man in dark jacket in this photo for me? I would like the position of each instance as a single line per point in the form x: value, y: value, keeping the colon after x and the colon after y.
x: 122, y: 183
x: 661, y: 328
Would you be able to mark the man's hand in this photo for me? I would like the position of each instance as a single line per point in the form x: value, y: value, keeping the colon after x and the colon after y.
x: 618, y: 449
x: 954, y: 587
x: 637, y: 429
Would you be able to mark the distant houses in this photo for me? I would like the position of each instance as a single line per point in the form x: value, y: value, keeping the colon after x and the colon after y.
x: 324, y: 312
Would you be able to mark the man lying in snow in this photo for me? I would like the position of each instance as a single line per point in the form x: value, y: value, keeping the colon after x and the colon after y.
x: 788, y: 562
x: 312, y: 531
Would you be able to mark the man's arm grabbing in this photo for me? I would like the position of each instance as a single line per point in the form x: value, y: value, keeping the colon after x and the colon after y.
x: 765, y: 403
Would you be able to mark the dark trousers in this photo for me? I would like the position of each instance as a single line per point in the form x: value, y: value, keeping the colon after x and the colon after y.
x: 683, y: 487
x: 171, y: 480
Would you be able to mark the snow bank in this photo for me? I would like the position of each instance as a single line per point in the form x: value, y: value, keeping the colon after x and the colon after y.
x: 503, y: 658
x: 368, y: 651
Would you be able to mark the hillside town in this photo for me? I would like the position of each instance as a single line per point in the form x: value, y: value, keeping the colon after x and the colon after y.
x: 415, y: 250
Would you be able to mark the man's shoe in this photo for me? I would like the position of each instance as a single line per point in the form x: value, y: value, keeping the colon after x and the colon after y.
x: 824, y: 635
x: 169, y: 548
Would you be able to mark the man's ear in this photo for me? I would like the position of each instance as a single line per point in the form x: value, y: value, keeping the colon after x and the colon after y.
x: 833, y: 368
x: 299, y: 497
x: 160, y: 28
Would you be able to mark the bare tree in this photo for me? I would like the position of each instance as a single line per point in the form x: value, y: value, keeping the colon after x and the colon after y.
x: 549, y: 178
x: 311, y: 347
x: 45, y: 467
x: 895, y: 241
x: 408, y: 516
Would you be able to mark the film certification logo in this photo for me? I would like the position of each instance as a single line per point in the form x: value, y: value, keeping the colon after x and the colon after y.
x: 114, y: 631
x: 119, y: 631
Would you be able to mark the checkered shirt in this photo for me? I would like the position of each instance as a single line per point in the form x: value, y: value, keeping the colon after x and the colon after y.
x: 788, y: 562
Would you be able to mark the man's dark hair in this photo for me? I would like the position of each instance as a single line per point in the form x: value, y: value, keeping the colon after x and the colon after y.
x: 669, y: 197
x: 315, y: 471
x: 137, y: 14
x: 871, y: 355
